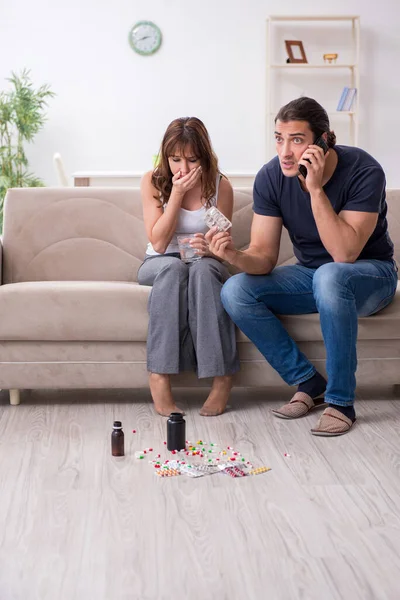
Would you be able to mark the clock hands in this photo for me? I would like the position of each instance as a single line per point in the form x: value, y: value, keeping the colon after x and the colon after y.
x: 145, y: 38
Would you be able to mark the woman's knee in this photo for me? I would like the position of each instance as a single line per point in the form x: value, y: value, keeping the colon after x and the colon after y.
x: 173, y: 267
x: 162, y: 267
x: 208, y: 269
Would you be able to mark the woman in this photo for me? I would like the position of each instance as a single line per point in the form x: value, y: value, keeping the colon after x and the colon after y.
x: 188, y: 326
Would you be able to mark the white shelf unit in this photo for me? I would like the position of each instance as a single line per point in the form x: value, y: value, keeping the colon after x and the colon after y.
x: 319, y: 35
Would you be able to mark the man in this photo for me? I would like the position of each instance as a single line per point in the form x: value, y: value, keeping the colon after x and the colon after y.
x: 336, y: 219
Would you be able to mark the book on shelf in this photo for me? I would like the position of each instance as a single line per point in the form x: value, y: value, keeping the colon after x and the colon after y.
x: 350, y: 97
x: 342, y: 98
x: 346, y: 99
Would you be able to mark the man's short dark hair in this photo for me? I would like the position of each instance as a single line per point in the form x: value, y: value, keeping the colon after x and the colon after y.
x: 308, y: 109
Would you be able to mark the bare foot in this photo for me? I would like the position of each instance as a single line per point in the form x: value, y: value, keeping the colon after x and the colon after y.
x: 218, y: 398
x: 160, y: 388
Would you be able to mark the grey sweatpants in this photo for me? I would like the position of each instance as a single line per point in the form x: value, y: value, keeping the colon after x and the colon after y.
x: 189, y: 328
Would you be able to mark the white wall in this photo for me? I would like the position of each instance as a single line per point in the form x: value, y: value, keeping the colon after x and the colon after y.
x: 112, y: 105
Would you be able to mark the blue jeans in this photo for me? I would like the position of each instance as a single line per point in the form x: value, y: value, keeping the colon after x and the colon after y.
x: 339, y: 292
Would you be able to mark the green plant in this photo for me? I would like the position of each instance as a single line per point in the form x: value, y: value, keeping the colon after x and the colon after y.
x: 21, y: 117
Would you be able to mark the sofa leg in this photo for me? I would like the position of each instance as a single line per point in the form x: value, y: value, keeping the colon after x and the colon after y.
x: 15, y: 398
x: 396, y: 389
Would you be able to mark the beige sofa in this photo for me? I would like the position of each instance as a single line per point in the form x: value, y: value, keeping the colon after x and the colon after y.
x: 73, y: 316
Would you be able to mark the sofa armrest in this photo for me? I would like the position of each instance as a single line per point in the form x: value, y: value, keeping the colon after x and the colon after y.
x: 1, y: 259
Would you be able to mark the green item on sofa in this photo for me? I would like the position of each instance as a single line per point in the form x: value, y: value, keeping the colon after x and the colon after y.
x: 21, y: 118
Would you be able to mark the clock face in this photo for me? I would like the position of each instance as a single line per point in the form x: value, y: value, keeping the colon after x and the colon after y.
x: 145, y: 37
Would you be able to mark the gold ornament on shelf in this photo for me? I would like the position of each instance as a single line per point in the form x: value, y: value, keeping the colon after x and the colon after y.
x: 330, y: 58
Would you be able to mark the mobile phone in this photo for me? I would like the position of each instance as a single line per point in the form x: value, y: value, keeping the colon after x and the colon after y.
x: 318, y: 142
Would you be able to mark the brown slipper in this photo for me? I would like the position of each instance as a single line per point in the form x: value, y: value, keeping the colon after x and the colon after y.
x: 300, y: 405
x: 331, y: 423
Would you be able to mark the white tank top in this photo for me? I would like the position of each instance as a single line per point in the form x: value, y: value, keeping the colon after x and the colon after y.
x: 189, y: 221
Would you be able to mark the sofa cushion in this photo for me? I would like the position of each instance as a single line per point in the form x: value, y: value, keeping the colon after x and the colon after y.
x: 73, y: 311
x: 80, y: 234
x: 117, y: 311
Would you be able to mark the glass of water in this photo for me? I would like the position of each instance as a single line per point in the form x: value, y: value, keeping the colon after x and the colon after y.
x: 187, y: 252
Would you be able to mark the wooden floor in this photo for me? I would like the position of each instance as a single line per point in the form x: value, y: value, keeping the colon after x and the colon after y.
x: 77, y: 524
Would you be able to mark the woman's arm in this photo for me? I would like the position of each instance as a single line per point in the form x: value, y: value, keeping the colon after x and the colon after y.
x: 225, y: 205
x: 225, y: 198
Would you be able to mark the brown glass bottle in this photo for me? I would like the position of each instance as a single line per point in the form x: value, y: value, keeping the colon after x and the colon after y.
x: 117, y: 440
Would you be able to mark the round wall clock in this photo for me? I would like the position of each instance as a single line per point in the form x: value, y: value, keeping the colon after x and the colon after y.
x: 145, y: 38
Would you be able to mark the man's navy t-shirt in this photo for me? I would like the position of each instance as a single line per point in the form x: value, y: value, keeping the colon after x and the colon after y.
x: 358, y: 183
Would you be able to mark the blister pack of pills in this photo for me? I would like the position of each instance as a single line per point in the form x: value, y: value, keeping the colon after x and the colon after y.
x: 234, y: 472
x: 259, y: 470
x: 167, y: 472
x: 191, y: 471
x: 208, y: 469
x: 215, y: 218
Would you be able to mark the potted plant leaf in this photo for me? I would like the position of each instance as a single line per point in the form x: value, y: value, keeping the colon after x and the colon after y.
x: 22, y: 115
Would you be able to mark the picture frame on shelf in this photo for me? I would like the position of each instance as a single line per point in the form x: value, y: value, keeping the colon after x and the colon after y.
x: 295, y: 50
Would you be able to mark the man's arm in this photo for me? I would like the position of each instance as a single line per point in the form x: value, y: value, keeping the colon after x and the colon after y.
x: 343, y: 235
x: 261, y: 255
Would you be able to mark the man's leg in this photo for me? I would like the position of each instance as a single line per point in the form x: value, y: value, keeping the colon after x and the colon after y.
x: 343, y: 292
x: 252, y: 302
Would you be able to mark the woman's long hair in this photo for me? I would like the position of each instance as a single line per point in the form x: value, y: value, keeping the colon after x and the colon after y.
x: 181, y: 133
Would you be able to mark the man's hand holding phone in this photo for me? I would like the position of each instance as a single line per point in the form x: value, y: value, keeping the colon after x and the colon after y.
x: 312, y: 164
